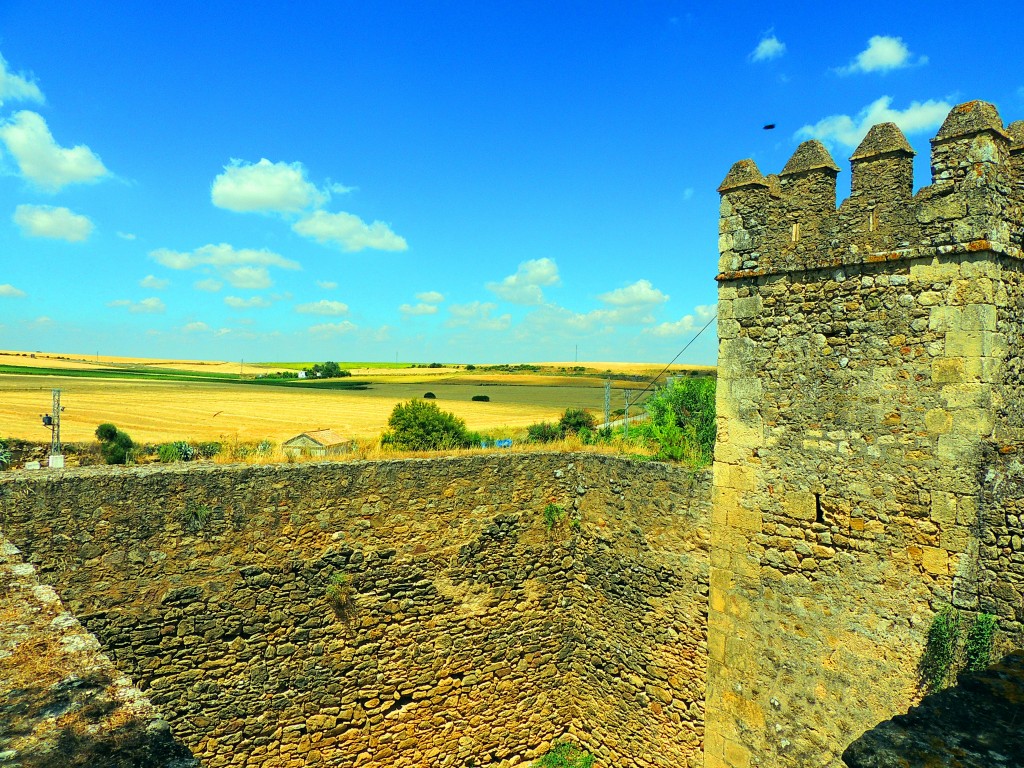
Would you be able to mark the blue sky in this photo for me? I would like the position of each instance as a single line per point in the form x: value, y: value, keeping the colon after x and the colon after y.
x: 449, y: 181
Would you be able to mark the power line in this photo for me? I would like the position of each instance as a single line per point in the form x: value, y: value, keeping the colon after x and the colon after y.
x: 673, y: 360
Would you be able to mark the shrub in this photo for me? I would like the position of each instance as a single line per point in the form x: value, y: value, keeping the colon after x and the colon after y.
x: 553, y: 515
x: 575, y: 419
x: 168, y: 453
x: 422, y: 426
x: 940, y: 650
x: 542, y: 432
x: 209, y: 450
x: 682, y: 419
x: 195, y: 516
x: 565, y: 755
x: 481, y: 399
x: 115, y: 446
x: 429, y: 396
x: 5, y: 455
x: 470, y: 367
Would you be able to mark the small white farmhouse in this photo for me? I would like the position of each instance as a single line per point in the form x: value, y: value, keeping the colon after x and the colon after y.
x: 319, y: 442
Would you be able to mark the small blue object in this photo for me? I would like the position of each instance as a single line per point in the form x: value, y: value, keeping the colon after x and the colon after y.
x: 483, y: 443
x: 503, y: 443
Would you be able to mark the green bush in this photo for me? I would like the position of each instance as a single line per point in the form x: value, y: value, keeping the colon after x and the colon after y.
x: 543, y: 432
x: 565, y: 755
x: 980, y: 642
x: 576, y: 419
x: 209, y: 450
x: 116, y: 446
x: 5, y: 455
x: 682, y: 420
x: 429, y: 396
x: 341, y: 596
x: 553, y: 515
x: 941, y: 649
x: 422, y: 426
x: 481, y: 399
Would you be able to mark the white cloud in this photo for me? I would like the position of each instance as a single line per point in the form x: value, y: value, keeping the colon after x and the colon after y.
x: 42, y: 160
x: 126, y: 236
x: 222, y: 255
x: 156, y: 283
x: 848, y: 131
x: 882, y: 54
x: 17, y: 87
x: 209, y: 285
x: 196, y: 327
x: 55, y: 223
x: 248, y: 278
x: 9, y: 291
x: 255, y: 302
x: 640, y: 294
x: 477, y: 315
x: 524, y: 287
x: 430, y: 297
x: 327, y: 285
x: 349, y: 231
x: 149, y: 306
x: 769, y: 48
x: 323, y: 307
x: 414, y: 310
x: 687, y: 323
x: 333, y: 329
x: 265, y: 187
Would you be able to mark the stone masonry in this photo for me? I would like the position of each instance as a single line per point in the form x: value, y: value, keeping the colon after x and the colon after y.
x: 869, y: 378
x: 469, y: 632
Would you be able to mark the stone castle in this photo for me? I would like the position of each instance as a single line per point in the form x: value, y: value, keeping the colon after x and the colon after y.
x: 869, y: 471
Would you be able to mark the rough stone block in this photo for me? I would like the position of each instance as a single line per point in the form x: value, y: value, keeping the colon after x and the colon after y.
x: 935, y: 560
x: 943, y: 318
x: 943, y: 509
x: 979, y: 317
x: 938, y: 421
x: 801, y: 505
x: 934, y: 271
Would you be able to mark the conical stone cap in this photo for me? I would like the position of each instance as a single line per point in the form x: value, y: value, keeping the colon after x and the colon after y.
x: 969, y: 118
x: 744, y: 173
x: 883, y: 139
x: 809, y: 156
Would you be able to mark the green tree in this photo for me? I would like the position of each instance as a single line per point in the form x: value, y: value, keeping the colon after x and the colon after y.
x: 115, y: 446
x: 575, y: 420
x: 421, y: 426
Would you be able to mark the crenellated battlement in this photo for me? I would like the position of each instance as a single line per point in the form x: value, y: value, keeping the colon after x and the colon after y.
x: 790, y: 222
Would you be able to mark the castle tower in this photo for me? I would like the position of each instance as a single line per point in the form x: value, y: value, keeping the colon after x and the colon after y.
x: 863, y: 361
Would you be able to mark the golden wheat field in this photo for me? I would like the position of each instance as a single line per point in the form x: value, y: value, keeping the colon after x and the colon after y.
x: 159, y: 411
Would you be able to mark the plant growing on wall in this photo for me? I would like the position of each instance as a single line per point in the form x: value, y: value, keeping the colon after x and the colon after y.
x: 554, y: 514
x: 953, y: 645
x: 5, y: 455
x: 565, y: 755
x: 116, y: 446
x: 195, y: 516
x: 980, y: 642
x: 341, y: 597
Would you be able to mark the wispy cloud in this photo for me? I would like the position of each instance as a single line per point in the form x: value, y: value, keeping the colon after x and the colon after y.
x: 430, y: 297
x: 17, y: 87
x: 265, y: 187
x: 153, y: 282
x: 769, y: 48
x: 686, y: 324
x: 327, y: 285
x: 323, y: 307
x: 526, y: 285
x: 478, y: 315
x: 848, y: 131
x: 222, y: 255
x: 883, y: 54
x: 349, y: 231
x: 150, y: 306
x: 44, y: 162
x: 416, y: 310
x: 51, y: 222
x: 196, y: 327
x: 333, y: 329
x: 209, y: 285
x: 126, y: 236
x: 10, y: 292
x: 255, y: 302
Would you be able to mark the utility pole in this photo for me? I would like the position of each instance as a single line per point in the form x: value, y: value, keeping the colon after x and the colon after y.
x: 607, y: 400
x: 52, y: 420
x: 626, y: 395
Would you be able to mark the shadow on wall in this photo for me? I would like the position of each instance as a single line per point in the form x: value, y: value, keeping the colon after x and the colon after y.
x: 979, y: 723
x: 82, y: 703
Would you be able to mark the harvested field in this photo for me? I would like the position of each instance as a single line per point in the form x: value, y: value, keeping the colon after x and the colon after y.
x: 160, y: 411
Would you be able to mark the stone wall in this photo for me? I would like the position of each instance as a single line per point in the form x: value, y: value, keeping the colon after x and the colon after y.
x: 867, y: 357
x: 466, y: 632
